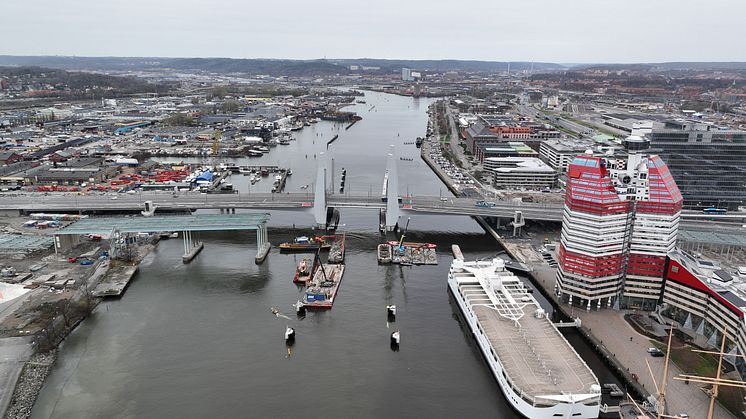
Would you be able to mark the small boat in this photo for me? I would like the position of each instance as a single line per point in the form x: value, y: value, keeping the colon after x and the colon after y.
x: 395, y: 338
x: 384, y: 253
x: 304, y: 243
x: 289, y: 334
x: 304, y: 272
x: 253, y: 153
x: 391, y: 310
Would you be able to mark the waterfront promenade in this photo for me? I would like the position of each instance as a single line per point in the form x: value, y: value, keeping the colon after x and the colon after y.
x: 610, y: 327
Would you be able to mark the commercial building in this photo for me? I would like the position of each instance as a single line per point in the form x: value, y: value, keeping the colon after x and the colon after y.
x: 559, y: 153
x: 507, y: 149
x: 708, y: 163
x: 620, y: 221
x: 520, y: 173
x: 706, y: 304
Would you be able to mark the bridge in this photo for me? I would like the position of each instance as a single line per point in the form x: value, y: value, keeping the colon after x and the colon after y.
x: 320, y: 199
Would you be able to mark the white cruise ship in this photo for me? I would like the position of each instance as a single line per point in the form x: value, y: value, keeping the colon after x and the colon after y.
x: 538, y: 371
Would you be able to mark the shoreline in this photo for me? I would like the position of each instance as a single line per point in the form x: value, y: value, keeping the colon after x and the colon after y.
x: 35, y: 370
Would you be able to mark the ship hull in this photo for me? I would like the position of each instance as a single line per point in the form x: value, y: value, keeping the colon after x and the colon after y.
x: 558, y: 411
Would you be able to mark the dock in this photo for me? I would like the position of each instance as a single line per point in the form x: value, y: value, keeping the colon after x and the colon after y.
x: 331, y: 141
x: 457, y: 252
x: 115, y: 281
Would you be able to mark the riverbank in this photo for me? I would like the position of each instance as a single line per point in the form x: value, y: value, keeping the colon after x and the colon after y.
x: 27, y: 385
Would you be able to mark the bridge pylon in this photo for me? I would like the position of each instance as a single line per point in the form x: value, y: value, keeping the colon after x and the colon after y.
x: 319, y: 192
x: 392, y: 192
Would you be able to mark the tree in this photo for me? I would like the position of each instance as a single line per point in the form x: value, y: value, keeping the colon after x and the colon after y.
x: 179, y: 119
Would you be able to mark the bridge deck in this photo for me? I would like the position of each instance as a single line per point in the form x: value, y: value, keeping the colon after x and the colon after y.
x: 201, y: 222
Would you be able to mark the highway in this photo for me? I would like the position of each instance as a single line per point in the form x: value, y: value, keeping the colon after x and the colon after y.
x: 50, y: 202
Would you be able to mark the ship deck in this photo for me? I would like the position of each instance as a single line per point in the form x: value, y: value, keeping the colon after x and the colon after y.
x: 535, y: 356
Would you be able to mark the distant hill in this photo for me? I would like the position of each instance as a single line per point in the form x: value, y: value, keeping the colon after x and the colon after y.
x: 449, y: 65
x: 293, y: 68
x: 671, y: 66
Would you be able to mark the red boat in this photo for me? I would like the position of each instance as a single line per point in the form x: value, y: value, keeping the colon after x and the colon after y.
x: 304, y: 272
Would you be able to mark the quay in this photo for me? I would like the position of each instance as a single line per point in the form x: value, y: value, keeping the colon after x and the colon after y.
x: 115, y: 281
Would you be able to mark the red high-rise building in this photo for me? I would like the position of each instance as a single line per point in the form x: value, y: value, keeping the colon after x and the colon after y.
x: 620, y: 221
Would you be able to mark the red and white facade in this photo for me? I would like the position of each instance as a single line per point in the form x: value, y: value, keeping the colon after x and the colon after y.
x: 620, y: 221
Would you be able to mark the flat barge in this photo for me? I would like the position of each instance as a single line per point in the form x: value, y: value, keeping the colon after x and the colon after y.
x: 322, y: 291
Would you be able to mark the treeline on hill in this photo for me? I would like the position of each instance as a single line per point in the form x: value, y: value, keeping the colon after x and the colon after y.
x: 579, y: 81
x: 76, y: 85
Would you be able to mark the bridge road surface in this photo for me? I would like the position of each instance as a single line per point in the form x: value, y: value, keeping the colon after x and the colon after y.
x: 732, y: 222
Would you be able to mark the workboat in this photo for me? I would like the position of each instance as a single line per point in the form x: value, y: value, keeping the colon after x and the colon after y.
x: 304, y: 243
x: 384, y: 253
x: 538, y: 371
x: 304, y: 272
x: 322, y: 291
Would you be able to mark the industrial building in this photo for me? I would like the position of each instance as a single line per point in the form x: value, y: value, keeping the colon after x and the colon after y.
x: 620, y: 221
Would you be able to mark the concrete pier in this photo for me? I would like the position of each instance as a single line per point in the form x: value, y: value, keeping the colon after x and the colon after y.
x: 192, y: 253
x: 261, y: 253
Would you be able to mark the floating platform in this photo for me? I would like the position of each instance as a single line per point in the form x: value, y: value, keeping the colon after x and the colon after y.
x: 322, y: 291
x: 115, y: 281
x: 414, y: 253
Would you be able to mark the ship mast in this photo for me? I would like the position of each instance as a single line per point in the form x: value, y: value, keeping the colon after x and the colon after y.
x: 716, y: 382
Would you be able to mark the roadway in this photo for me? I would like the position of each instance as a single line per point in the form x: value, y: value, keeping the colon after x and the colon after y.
x: 28, y: 202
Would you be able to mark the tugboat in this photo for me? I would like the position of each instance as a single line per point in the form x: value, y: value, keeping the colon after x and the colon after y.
x: 304, y: 243
x: 304, y: 272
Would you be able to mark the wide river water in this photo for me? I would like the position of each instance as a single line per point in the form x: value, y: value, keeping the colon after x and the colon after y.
x: 200, y: 340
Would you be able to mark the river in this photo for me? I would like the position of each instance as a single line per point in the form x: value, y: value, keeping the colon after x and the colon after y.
x: 199, y: 340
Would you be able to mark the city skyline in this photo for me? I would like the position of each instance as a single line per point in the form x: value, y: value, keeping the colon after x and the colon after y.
x: 538, y: 30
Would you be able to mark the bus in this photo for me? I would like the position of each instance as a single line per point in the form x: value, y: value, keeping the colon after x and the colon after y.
x: 715, y: 211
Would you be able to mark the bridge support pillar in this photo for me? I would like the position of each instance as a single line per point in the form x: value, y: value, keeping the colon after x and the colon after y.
x: 518, y: 222
x: 191, y: 248
x: 392, y: 192
x: 319, y: 192
x: 262, y: 244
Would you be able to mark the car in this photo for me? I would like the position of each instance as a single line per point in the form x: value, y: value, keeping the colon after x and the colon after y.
x: 485, y: 204
x: 444, y: 199
x: 655, y: 352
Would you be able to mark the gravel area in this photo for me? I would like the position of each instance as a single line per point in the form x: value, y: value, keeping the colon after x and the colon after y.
x: 29, y: 384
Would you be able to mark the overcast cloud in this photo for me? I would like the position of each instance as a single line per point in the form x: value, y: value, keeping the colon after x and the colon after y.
x: 563, y: 31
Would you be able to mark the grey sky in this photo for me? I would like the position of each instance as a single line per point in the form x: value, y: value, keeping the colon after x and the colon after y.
x: 531, y: 30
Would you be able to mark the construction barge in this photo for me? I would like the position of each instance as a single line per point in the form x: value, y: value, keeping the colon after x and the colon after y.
x: 407, y: 253
x: 323, y: 288
x: 337, y: 251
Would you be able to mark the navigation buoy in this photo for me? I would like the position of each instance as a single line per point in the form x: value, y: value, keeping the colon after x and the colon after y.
x: 289, y: 334
x: 300, y: 309
x: 395, y: 339
x: 391, y: 310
